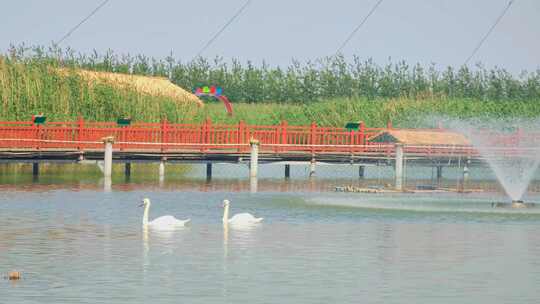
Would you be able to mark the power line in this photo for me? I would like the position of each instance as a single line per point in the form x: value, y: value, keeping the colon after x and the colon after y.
x: 358, y: 27
x: 216, y: 35
x: 81, y: 23
x: 489, y: 31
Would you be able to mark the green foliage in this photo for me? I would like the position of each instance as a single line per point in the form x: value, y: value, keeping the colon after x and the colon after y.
x: 32, y: 86
x: 330, y: 77
x: 329, y: 91
x: 402, y: 112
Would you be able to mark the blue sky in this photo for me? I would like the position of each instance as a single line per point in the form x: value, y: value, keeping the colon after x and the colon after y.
x: 439, y: 31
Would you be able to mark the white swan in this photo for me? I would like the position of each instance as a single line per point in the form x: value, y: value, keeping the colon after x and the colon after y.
x: 240, y: 218
x: 166, y: 222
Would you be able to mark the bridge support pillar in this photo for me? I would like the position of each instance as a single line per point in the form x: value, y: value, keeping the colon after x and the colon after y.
x: 162, y: 169
x: 107, y: 184
x: 254, y: 159
x: 127, y: 170
x: 465, y: 174
x: 399, y: 167
x: 287, y: 171
x: 208, y: 171
x: 439, y: 174
x: 35, y: 169
x: 107, y: 167
x: 312, y: 168
x: 361, y: 172
x: 253, y: 184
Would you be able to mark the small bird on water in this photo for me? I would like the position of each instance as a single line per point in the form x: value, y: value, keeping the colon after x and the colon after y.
x: 14, y: 275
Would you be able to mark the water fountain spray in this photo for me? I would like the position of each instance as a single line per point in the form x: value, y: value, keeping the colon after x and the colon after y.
x: 513, y: 153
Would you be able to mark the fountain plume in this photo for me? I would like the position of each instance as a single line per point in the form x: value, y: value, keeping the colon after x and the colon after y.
x: 512, y: 153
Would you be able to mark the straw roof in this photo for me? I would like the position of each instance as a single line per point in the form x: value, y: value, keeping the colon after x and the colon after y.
x: 154, y: 86
x: 421, y: 137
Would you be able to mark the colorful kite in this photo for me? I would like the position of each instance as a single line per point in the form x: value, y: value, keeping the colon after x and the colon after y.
x: 215, y: 92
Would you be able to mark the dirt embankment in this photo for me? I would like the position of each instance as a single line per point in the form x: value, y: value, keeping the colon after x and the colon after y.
x: 154, y: 86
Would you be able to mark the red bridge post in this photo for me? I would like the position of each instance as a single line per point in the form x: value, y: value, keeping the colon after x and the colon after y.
x: 207, y: 134
x: 37, y: 135
x: 80, y: 131
x: 240, y: 135
x: 362, y: 132
x: 313, y: 137
x: 164, y: 127
x: 284, y: 126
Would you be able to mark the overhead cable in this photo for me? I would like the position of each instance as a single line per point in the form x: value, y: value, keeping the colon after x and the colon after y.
x: 479, y: 45
x: 81, y: 22
x: 216, y: 35
x: 358, y: 27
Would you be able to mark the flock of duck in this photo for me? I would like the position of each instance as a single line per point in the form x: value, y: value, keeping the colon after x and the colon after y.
x: 169, y: 222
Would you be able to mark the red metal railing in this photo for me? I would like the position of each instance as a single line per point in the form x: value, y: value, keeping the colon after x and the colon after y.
x: 211, y: 138
x: 164, y: 136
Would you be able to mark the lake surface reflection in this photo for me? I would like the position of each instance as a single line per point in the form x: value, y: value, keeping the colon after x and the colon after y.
x: 75, y: 243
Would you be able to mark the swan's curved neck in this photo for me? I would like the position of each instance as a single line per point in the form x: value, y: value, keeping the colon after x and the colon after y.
x: 145, y: 215
x: 226, y: 213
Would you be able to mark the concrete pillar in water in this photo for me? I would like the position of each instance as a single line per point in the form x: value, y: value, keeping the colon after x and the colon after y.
x: 399, y: 167
x: 439, y: 174
x: 361, y: 172
x: 162, y: 169
x: 107, y: 184
x: 253, y: 184
x: 312, y: 168
x: 127, y: 170
x: 254, y: 159
x: 35, y: 169
x: 208, y: 171
x: 107, y: 167
x: 287, y: 171
x: 465, y: 174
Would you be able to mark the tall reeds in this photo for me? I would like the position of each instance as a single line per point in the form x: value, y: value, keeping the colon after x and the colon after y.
x: 36, y: 85
x: 329, y: 77
x: 330, y: 90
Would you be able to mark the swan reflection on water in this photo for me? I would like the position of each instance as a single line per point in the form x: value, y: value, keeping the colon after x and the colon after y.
x: 162, y: 230
x: 166, y: 240
x: 239, y: 236
x: 243, y: 224
x: 158, y: 244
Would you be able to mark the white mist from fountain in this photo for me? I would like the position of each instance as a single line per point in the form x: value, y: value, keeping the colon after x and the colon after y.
x: 513, y: 155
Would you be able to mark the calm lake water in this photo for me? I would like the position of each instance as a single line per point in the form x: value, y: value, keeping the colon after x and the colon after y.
x: 76, y: 243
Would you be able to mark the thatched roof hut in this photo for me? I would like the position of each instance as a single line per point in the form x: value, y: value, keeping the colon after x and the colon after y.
x: 421, y: 137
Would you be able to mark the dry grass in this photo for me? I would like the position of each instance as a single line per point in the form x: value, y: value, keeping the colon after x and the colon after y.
x: 153, y: 86
x: 422, y: 137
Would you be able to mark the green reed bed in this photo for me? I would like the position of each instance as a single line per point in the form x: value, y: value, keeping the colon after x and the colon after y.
x: 33, y: 86
x: 375, y: 113
x: 329, y: 91
x: 303, y: 82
